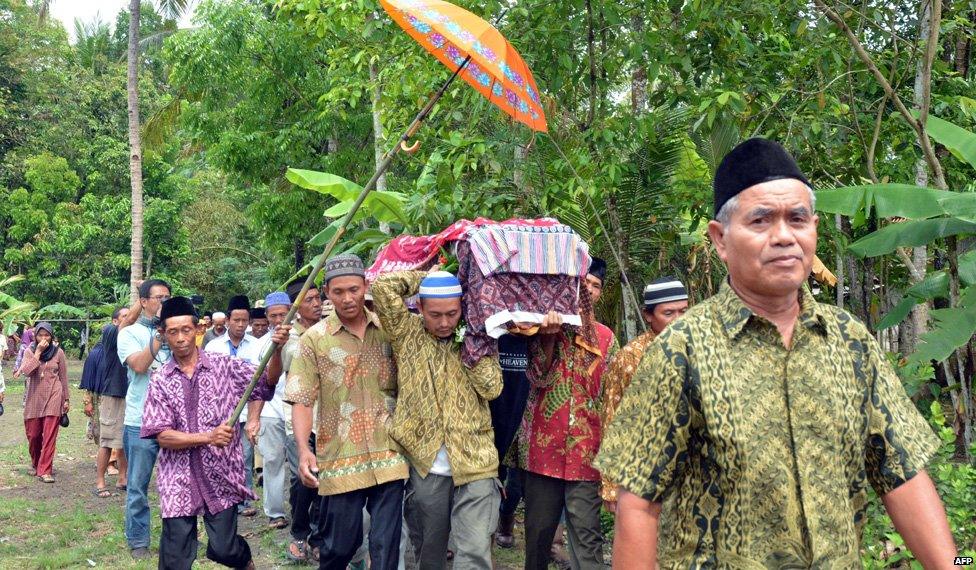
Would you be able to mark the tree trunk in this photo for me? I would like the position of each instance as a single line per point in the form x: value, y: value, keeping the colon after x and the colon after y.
x: 839, y: 265
x: 299, y: 254
x: 591, y: 55
x: 135, y: 150
x: 378, y: 145
x: 638, y: 80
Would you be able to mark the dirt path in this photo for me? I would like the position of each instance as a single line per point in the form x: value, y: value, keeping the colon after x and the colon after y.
x: 63, y: 525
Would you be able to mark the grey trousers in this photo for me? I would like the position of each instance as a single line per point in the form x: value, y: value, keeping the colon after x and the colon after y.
x: 545, y: 499
x: 273, y: 445
x: 435, y: 509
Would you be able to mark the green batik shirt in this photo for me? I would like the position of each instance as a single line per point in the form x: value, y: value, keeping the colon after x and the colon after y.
x: 761, y: 455
x: 439, y: 400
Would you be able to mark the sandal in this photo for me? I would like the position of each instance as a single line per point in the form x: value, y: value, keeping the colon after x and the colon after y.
x: 314, y: 553
x: 47, y: 478
x: 102, y: 493
x: 122, y: 488
x: 32, y: 471
x: 278, y: 522
x: 248, y: 512
x: 297, y: 546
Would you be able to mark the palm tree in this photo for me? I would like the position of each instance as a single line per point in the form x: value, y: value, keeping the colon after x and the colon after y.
x: 172, y: 9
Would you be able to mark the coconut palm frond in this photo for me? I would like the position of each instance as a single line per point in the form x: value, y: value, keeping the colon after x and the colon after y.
x: 162, y: 123
x: 713, y: 145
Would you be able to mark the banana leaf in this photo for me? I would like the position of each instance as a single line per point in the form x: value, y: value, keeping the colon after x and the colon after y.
x: 912, y: 233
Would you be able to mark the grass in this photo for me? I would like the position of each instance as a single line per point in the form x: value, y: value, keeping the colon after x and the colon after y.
x: 62, y: 525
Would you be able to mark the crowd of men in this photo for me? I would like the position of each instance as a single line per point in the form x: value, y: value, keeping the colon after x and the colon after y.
x: 741, y: 433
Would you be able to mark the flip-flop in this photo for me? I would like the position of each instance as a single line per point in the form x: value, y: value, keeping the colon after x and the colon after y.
x: 121, y: 487
x: 103, y: 493
x: 300, y: 545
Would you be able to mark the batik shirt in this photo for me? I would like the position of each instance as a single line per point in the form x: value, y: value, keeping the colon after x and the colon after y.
x: 762, y: 454
x: 203, y: 478
x: 440, y: 402
x: 617, y: 377
x: 353, y: 381
x: 561, y: 430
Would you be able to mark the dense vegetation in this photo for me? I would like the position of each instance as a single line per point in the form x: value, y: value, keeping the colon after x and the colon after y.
x: 643, y: 96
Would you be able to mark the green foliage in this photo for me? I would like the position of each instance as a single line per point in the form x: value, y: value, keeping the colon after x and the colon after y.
x: 956, y: 483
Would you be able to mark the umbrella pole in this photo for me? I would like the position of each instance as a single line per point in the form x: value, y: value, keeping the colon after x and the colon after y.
x: 383, y: 167
x: 628, y: 290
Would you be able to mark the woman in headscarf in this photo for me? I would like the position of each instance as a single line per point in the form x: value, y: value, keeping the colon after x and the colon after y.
x: 46, y: 369
x: 25, y: 342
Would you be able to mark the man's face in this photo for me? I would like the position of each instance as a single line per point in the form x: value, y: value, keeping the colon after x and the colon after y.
x: 237, y: 323
x: 259, y: 327
x: 220, y: 325
x: 180, y: 333
x: 348, y: 296
x: 771, y: 239
x: 595, y: 286
x: 205, y: 321
x: 123, y: 314
x: 276, y: 314
x: 311, y: 307
x: 154, y: 304
x: 441, y: 316
x: 664, y: 314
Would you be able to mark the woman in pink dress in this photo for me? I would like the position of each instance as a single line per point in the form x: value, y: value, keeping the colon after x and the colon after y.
x: 46, y: 371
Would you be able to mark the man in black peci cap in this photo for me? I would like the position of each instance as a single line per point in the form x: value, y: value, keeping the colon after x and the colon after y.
x: 755, y: 423
x: 200, y: 462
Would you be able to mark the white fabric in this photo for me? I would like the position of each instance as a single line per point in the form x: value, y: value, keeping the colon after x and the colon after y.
x: 441, y: 465
x: 245, y: 351
x: 495, y: 324
x: 275, y: 407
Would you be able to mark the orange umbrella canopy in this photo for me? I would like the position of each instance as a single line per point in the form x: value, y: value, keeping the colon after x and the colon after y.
x: 496, y: 70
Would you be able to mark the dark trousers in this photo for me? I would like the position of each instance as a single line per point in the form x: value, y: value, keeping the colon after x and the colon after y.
x: 545, y: 499
x: 341, y: 518
x: 513, y: 490
x: 305, y: 504
x: 178, y: 543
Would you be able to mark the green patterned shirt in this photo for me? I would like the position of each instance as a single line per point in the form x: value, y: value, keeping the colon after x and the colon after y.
x: 439, y: 400
x: 762, y: 455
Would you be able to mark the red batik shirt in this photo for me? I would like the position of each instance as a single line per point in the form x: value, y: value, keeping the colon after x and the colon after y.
x: 561, y: 430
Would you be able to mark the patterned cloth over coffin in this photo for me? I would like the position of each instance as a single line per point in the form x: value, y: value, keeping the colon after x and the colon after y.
x: 521, y: 248
x: 417, y: 252
x: 508, y: 297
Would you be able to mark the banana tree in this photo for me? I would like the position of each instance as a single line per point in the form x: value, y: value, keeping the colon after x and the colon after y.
x: 919, y: 216
x: 381, y: 205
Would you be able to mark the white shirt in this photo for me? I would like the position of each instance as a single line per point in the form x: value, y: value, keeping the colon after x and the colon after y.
x: 222, y: 345
x: 441, y: 465
x: 275, y: 407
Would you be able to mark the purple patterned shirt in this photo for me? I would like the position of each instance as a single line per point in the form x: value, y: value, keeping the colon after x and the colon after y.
x: 209, y: 478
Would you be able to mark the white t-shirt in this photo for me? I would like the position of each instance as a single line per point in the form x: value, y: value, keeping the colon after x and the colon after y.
x: 222, y: 345
x: 441, y: 465
x: 275, y: 407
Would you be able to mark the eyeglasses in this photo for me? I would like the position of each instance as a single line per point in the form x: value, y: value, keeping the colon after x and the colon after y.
x: 161, y: 298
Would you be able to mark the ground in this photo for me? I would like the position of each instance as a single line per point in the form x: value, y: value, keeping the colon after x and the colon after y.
x: 63, y: 525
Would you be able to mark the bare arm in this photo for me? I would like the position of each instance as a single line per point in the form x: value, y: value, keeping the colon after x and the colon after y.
x: 172, y: 439
x: 140, y: 361
x: 308, y: 468
x: 920, y: 518
x: 135, y: 311
x: 635, y: 533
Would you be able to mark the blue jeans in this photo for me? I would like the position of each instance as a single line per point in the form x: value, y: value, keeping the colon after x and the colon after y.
x: 141, y: 454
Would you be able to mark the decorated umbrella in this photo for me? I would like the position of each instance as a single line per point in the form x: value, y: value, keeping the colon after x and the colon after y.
x: 474, y: 50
